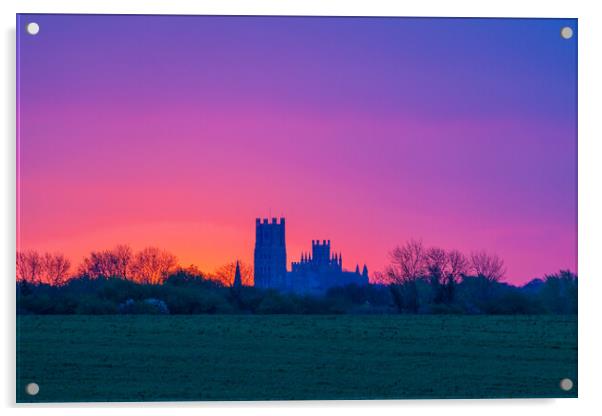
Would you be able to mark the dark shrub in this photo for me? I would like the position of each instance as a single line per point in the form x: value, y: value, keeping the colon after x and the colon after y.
x: 185, y: 301
x: 92, y: 305
x: 149, y: 306
x: 276, y: 303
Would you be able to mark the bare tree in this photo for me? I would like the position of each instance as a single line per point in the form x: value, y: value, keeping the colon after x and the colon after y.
x: 36, y: 268
x: 380, y: 278
x: 108, y: 263
x: 153, y: 265
x: 97, y: 264
x: 458, y: 265
x: 56, y: 268
x: 30, y: 267
x: 437, y: 263
x: 123, y: 260
x: 225, y: 274
x: 489, y: 266
x: 408, y: 263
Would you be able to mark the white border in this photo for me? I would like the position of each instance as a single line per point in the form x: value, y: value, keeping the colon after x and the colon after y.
x: 590, y: 201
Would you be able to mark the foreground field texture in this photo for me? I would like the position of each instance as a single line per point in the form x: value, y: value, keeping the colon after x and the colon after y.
x: 204, y: 357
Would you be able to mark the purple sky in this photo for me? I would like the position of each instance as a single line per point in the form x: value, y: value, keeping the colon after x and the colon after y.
x: 178, y: 131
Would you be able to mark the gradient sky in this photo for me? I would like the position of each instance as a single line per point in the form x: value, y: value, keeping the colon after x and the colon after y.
x: 178, y: 131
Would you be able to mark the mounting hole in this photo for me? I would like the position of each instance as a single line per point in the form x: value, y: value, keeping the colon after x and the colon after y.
x: 32, y: 389
x: 32, y: 28
x: 566, y: 384
x: 566, y: 32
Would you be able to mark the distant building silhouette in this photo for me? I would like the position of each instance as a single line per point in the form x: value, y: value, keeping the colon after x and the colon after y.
x: 314, y: 273
x: 270, y: 253
x: 237, y: 277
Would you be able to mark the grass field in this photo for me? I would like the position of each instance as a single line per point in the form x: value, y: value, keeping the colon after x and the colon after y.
x: 204, y: 357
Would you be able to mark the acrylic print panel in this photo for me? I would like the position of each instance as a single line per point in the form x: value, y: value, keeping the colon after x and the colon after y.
x: 292, y: 208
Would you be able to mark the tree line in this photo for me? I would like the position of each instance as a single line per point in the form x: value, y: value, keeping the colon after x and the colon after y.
x: 417, y: 280
x: 433, y: 280
x: 150, y: 265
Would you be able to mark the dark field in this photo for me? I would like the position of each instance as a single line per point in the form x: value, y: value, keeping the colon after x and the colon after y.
x: 209, y: 357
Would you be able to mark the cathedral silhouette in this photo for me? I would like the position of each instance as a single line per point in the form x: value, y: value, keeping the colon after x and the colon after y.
x: 314, y: 273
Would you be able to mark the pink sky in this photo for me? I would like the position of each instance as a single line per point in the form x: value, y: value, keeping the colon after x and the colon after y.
x: 154, y: 137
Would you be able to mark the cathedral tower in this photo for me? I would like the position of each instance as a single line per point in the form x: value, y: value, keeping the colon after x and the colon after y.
x: 270, y: 253
x: 320, y: 252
